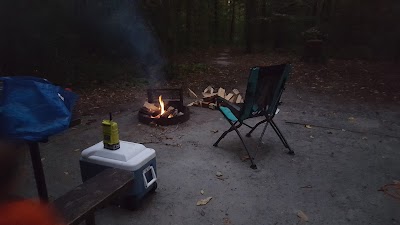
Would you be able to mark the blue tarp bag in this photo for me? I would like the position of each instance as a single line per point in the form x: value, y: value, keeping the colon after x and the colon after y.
x: 33, y: 109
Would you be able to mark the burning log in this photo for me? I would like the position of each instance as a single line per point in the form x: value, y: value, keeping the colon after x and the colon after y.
x: 168, y: 111
x: 166, y: 114
x: 150, y: 106
x: 149, y: 112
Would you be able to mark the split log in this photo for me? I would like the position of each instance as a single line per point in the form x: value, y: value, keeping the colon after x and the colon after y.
x: 235, y: 91
x: 221, y: 92
x: 192, y: 94
x: 233, y: 99
x: 209, y: 90
x: 229, y: 96
x: 208, y: 95
x: 212, y: 106
x: 239, y: 99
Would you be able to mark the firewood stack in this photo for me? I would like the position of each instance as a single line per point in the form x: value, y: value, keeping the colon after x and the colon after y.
x: 209, y: 97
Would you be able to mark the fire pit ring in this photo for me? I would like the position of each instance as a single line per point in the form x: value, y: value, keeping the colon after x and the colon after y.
x: 174, y: 98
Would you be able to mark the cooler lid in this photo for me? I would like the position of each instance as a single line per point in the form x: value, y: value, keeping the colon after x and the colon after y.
x: 127, y: 151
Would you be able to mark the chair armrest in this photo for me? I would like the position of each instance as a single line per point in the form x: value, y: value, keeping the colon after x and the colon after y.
x: 235, y: 109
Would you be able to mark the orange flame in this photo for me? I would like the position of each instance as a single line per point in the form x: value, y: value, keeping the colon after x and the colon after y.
x: 161, y: 104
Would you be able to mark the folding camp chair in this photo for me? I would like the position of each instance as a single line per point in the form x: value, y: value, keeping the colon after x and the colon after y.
x: 264, y: 90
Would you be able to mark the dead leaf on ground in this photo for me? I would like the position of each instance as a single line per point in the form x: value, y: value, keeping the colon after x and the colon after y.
x: 66, y: 173
x: 245, y: 158
x: 77, y: 150
x: 308, y: 186
x: 351, y: 118
x: 215, y: 131
x: 90, y: 121
x: 203, y: 201
x: 302, y: 216
x: 218, y: 174
x: 202, y: 192
x: 308, y: 126
x: 364, y: 138
x: 227, y: 221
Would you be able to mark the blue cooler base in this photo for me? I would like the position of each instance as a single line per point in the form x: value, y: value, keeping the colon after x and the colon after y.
x: 133, y: 197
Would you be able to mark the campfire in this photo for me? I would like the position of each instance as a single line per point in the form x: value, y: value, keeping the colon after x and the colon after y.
x: 164, y: 107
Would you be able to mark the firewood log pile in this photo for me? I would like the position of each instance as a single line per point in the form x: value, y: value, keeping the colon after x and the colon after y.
x: 209, y: 95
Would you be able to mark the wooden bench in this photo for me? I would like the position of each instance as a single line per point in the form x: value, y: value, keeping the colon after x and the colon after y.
x: 81, y: 203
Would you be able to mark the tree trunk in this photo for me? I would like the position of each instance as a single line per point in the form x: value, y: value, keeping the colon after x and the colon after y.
x: 250, y: 10
x: 216, y: 21
x: 264, y: 24
x: 232, y: 30
x: 188, y: 21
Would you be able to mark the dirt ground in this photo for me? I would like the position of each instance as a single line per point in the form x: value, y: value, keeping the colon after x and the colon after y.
x: 349, y: 151
x: 347, y: 80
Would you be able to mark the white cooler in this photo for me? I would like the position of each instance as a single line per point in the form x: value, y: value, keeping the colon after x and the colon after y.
x: 138, y: 159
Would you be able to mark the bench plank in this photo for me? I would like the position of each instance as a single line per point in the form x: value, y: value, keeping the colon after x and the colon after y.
x: 81, y: 202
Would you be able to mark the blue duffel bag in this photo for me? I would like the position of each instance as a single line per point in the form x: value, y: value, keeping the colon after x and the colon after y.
x: 33, y: 109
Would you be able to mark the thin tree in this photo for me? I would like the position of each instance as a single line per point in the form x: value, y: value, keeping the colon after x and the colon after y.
x: 232, y: 29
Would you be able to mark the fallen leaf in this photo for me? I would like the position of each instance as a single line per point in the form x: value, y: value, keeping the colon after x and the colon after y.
x: 66, y: 173
x: 202, y: 192
x: 77, y: 150
x: 302, y: 216
x: 218, y: 174
x: 245, y: 158
x: 311, y: 136
x: 343, y: 130
x: 308, y: 186
x: 227, y: 221
x: 215, y: 131
x: 308, y: 126
x: 203, y: 201
x: 364, y: 138
x: 351, y: 118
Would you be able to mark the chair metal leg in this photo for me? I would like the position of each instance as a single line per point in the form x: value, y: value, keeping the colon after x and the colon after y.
x: 260, y: 139
x: 232, y: 128
x: 280, y: 135
x: 253, y: 166
x: 252, y: 129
